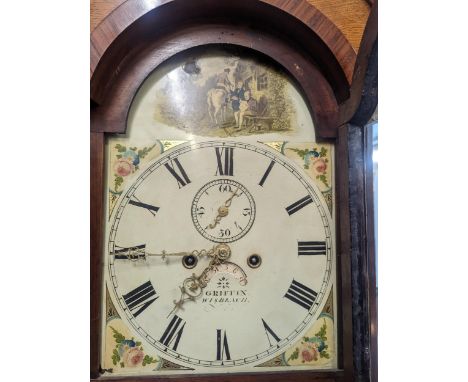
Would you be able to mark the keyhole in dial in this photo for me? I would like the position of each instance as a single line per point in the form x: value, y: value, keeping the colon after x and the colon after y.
x: 189, y: 261
x: 254, y: 261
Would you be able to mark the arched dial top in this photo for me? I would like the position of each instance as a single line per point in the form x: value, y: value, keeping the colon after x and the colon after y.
x: 262, y: 237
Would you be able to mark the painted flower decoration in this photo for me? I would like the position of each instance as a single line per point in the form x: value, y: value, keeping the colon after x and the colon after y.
x: 308, y: 155
x: 312, y: 348
x: 310, y: 353
x: 132, y: 156
x: 123, y: 167
x: 320, y: 165
x: 129, y: 353
x: 133, y: 357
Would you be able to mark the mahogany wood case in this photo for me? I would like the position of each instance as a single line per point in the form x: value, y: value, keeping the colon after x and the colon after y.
x: 139, y: 35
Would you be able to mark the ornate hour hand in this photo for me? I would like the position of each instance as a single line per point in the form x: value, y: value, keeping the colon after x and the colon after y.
x: 192, y: 287
x: 223, y: 210
x: 138, y: 253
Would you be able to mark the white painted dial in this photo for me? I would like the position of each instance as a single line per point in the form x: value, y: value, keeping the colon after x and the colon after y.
x: 243, y: 315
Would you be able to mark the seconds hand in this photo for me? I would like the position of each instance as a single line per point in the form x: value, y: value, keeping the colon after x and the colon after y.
x: 223, y: 210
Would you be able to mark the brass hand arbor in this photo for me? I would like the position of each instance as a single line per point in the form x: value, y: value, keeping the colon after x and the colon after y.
x: 192, y: 287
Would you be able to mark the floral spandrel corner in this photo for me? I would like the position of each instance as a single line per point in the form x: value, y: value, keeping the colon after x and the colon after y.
x: 125, y: 161
x: 316, y: 159
x: 128, y: 352
x: 315, y: 348
x: 123, y: 352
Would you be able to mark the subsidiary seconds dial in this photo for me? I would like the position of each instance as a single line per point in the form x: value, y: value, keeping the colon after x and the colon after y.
x: 223, y: 211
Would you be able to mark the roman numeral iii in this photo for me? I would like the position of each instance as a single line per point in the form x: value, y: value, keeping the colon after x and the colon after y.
x: 140, y: 298
x: 178, y: 172
x: 301, y: 295
x: 173, y: 332
x: 225, y: 160
x: 308, y: 248
x: 293, y: 208
x: 222, y: 348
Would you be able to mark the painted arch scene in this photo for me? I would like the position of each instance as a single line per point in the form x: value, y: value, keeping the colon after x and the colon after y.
x: 219, y: 92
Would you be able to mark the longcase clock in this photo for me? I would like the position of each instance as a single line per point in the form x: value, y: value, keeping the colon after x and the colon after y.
x: 224, y: 190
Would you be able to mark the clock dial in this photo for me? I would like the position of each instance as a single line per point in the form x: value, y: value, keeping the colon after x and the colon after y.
x: 248, y: 254
x: 223, y: 210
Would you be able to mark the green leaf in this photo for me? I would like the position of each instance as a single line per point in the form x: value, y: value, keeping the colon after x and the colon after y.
x: 294, y: 355
x: 133, y: 148
x: 143, y: 152
x: 122, y: 364
x: 120, y: 148
x: 118, y: 337
x: 323, y: 152
x: 300, y: 152
x: 324, y: 354
x: 119, y: 156
x: 118, y: 182
x: 138, y: 343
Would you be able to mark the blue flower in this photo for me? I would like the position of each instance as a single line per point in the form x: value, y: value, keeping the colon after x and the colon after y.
x: 320, y: 343
x: 307, y: 157
x: 133, y: 156
x: 125, y: 344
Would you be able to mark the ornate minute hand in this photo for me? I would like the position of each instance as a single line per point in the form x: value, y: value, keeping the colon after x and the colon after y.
x: 192, y: 287
x: 223, y: 210
x: 139, y: 254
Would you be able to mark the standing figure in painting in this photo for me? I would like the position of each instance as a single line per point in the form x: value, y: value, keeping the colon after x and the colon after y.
x: 218, y: 97
x: 247, y: 107
x: 237, y: 95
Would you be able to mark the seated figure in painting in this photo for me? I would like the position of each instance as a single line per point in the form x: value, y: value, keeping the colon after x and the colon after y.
x: 247, y: 107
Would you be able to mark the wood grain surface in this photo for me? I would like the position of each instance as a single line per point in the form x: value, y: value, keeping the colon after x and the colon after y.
x: 350, y: 16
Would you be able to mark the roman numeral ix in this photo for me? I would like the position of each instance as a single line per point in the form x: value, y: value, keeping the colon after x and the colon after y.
x: 178, y: 172
x: 173, y: 332
x: 293, y: 208
x: 301, y: 295
x: 308, y: 248
x: 125, y: 253
x: 140, y: 298
x: 225, y: 159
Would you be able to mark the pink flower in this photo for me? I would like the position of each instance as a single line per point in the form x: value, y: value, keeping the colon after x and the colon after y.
x: 310, y: 354
x: 133, y: 357
x: 123, y: 167
x: 320, y: 165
